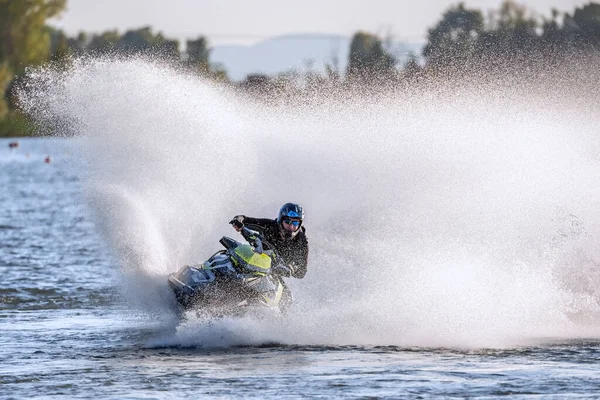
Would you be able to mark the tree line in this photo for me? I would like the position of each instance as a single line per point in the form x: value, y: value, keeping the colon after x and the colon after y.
x: 462, y: 43
x: 465, y: 43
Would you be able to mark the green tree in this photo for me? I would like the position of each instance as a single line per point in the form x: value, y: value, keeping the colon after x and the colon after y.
x: 132, y: 42
x: 103, y: 43
x: 368, y: 60
x: 552, y: 37
x: 144, y: 41
x: 197, y: 55
x: 583, y: 27
x: 455, y: 37
x: 79, y: 44
x: 197, y: 59
x: 60, y: 48
x: 6, y: 77
x: 511, y: 31
x: 24, y: 39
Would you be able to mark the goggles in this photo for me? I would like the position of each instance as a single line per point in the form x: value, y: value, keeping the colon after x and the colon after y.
x: 294, y: 222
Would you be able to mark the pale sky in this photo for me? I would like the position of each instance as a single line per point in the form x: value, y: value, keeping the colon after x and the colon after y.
x: 249, y: 21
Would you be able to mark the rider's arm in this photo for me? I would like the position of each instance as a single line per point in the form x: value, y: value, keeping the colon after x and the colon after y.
x: 240, y: 220
x: 262, y: 222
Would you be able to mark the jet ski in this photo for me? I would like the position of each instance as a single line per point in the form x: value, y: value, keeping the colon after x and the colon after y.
x: 234, y: 280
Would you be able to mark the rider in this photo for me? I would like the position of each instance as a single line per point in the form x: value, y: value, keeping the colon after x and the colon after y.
x: 286, y: 234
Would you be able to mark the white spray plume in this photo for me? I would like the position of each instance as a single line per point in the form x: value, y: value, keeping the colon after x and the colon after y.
x: 436, y: 218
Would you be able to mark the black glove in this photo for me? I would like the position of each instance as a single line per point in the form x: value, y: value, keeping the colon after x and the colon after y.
x: 238, y: 221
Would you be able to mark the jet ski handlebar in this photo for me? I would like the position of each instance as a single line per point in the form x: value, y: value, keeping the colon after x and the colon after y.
x: 254, y: 238
x: 257, y: 240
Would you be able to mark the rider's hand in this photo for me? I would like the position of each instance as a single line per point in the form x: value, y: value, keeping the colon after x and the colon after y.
x: 237, y: 222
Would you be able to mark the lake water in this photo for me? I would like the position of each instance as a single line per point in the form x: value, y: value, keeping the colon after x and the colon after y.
x: 68, y: 330
x: 453, y: 234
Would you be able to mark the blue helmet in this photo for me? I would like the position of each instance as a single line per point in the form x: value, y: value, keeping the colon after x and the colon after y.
x: 290, y: 210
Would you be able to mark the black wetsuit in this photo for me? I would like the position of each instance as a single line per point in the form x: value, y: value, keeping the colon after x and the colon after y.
x: 293, y: 251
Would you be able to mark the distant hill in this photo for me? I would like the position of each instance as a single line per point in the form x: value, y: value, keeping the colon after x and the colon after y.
x: 293, y: 53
